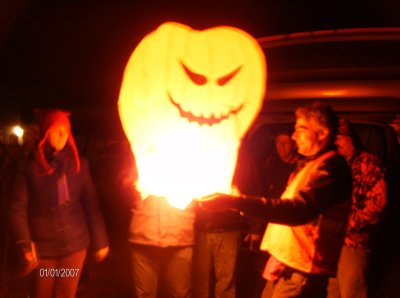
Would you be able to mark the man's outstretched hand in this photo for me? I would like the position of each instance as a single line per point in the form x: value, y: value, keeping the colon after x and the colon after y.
x: 219, y: 202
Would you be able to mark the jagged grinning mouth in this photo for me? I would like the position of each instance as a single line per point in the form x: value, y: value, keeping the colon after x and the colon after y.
x: 201, y: 119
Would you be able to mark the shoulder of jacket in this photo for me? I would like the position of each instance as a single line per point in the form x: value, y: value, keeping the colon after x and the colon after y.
x: 336, y: 163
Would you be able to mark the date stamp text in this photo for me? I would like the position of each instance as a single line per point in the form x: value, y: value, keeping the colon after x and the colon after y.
x: 59, y: 272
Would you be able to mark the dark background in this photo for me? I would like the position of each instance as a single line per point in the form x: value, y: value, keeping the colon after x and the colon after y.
x: 72, y: 54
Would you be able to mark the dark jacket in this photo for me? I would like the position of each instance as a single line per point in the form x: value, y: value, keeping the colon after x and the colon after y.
x: 320, y: 193
x: 57, y: 228
x: 331, y: 185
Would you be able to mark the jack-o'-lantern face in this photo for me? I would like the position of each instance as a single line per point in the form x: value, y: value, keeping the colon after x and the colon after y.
x: 213, y: 75
x: 195, y: 94
x: 215, y: 111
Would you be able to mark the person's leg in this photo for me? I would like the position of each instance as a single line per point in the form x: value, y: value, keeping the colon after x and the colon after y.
x: 352, y: 272
x: 298, y: 285
x: 45, y: 278
x: 289, y: 287
x: 268, y: 289
x: 316, y: 286
x: 145, y: 270
x: 333, y: 288
x: 201, y: 266
x: 178, y: 271
x: 225, y: 258
x: 69, y: 272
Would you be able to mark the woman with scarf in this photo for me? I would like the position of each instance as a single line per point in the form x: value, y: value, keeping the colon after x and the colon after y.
x: 54, y: 214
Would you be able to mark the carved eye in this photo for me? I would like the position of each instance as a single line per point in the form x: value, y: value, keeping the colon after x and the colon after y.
x: 225, y: 79
x: 196, y: 78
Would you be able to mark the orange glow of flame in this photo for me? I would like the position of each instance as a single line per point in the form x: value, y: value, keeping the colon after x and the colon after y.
x: 182, y: 165
x: 187, y: 99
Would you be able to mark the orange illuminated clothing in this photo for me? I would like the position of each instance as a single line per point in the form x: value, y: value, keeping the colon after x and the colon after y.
x: 302, y: 246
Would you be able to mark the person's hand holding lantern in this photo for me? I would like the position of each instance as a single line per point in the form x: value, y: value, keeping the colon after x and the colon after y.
x: 220, y: 202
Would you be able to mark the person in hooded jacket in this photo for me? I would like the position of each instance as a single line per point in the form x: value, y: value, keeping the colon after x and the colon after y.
x: 54, y: 214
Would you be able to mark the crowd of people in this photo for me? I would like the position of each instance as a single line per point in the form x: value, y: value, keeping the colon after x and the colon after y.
x: 318, y: 200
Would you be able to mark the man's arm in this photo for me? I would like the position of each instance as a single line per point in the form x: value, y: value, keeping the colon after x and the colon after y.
x: 331, y: 185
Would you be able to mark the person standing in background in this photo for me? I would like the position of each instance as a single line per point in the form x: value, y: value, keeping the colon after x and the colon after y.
x: 218, y: 239
x: 54, y: 215
x: 395, y: 123
x: 368, y: 202
x: 278, y: 166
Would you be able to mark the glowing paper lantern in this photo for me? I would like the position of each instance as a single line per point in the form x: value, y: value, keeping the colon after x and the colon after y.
x: 186, y: 100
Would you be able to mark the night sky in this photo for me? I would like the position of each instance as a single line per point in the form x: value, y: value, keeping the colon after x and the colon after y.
x: 72, y: 54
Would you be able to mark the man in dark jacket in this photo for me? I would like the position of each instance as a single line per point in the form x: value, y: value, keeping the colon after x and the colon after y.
x: 308, y: 222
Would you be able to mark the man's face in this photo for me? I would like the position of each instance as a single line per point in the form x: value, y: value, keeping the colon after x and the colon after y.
x: 285, y: 147
x: 309, y: 136
x: 58, y: 136
x: 345, y: 146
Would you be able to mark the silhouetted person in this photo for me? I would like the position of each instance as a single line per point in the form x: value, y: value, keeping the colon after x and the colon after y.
x: 395, y: 123
x: 278, y: 166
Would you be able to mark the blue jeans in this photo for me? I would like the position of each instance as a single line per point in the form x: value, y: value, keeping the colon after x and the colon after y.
x: 167, y: 267
x: 216, y: 253
x: 350, y: 281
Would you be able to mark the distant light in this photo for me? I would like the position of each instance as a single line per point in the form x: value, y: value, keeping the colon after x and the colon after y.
x: 18, y: 131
